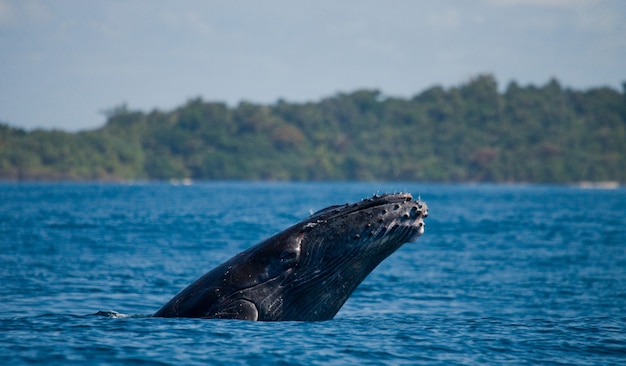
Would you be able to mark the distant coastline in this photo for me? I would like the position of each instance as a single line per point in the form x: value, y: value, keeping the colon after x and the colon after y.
x: 469, y: 133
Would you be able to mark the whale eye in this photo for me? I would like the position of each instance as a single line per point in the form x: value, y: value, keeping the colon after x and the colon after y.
x: 289, y: 257
x: 278, y: 263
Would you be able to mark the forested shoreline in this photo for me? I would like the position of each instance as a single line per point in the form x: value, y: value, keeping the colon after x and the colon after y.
x: 468, y: 133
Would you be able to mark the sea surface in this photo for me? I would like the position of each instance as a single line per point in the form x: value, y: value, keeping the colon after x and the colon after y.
x: 504, y: 274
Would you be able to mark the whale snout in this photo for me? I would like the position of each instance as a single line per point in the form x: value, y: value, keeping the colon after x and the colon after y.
x: 394, y: 216
x: 413, y: 218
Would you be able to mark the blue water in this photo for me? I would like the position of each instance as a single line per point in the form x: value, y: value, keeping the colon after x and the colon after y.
x: 503, y: 274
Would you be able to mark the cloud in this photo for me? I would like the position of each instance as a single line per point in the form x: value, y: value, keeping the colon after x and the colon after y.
x: 544, y: 3
x: 23, y: 13
x: 448, y: 18
x: 7, y: 14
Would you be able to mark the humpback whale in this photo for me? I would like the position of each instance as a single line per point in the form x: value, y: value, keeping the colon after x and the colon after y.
x: 308, y: 271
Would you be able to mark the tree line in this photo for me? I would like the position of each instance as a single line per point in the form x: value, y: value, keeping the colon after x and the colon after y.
x: 468, y: 133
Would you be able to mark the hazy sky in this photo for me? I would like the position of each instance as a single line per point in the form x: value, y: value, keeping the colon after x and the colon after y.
x: 63, y: 62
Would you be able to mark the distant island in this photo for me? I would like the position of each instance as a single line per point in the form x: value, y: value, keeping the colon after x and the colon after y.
x: 469, y: 133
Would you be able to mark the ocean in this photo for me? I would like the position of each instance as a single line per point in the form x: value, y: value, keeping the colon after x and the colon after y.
x: 504, y: 274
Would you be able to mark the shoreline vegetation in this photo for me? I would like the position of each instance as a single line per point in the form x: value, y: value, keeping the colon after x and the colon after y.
x: 468, y: 133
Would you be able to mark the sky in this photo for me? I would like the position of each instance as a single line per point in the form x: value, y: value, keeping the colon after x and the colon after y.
x: 64, y: 63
